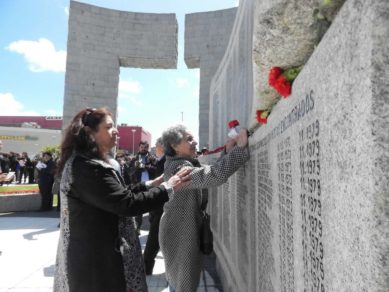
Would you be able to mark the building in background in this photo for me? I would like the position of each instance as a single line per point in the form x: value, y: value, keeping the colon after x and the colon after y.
x: 32, y: 133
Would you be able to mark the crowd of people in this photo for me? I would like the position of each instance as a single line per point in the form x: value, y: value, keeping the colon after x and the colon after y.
x: 103, y: 199
x: 20, y: 166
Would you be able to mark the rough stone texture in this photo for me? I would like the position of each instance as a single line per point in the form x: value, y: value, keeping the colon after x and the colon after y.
x: 231, y: 91
x: 100, y: 41
x: 20, y: 202
x: 310, y: 210
x: 206, y: 38
x: 231, y: 96
x: 285, y: 34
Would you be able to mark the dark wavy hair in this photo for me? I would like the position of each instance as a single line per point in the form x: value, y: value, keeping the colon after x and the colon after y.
x: 78, y: 138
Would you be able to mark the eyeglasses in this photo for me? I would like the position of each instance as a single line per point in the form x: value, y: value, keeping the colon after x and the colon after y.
x: 86, y: 115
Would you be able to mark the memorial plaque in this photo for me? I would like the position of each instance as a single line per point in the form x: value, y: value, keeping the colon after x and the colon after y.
x: 252, y: 219
x: 285, y: 197
x: 265, y: 258
x: 225, y: 189
x: 242, y: 221
x: 319, y: 168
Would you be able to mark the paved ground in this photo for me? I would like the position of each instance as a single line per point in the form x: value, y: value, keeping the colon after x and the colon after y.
x: 28, y: 243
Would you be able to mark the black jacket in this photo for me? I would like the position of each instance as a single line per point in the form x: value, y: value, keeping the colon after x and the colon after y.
x: 96, y: 200
x: 46, y: 177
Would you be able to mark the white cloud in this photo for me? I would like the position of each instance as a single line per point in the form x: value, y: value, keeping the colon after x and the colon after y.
x: 66, y: 10
x: 40, y: 55
x: 129, y: 87
x: 11, y: 107
x: 182, y: 82
x: 134, y: 100
x: 128, y: 91
x: 236, y: 3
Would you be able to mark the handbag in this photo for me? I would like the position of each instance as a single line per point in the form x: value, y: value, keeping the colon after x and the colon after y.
x: 206, y: 236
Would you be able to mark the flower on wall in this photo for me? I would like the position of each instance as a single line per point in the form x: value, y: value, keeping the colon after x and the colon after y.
x: 261, y: 116
x: 281, y: 80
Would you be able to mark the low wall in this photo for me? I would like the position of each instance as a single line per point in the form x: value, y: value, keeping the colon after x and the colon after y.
x: 20, y: 202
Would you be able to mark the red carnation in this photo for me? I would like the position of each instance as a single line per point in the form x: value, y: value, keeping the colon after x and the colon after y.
x: 274, y: 73
x: 282, y: 80
x: 262, y: 116
x: 283, y: 86
x: 233, y: 124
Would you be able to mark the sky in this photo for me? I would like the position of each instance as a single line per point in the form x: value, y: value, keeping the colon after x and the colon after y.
x: 33, y: 43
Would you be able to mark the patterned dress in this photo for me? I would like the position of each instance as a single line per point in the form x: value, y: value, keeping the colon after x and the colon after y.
x: 180, y: 222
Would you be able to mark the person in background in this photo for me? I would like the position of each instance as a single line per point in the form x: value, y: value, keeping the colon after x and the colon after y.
x: 180, y: 222
x: 4, y: 165
x: 22, y: 168
x: 46, y: 180
x: 29, y: 170
x: 98, y: 249
x: 56, y: 185
x: 142, y: 169
x: 12, y: 161
x: 4, y: 161
x: 152, y: 244
x: 124, y: 168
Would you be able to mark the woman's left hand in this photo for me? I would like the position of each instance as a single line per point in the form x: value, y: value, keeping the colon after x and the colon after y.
x: 181, y: 179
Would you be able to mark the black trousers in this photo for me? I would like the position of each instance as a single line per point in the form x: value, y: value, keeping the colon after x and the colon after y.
x: 152, y: 244
x: 138, y: 221
x: 47, y: 200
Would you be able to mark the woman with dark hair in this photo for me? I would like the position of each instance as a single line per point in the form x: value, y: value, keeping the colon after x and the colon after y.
x: 98, y: 249
x: 180, y: 223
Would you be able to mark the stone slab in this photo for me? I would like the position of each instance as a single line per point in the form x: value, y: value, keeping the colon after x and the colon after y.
x: 20, y: 202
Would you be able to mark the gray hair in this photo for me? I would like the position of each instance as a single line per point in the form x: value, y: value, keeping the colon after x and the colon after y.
x: 159, y: 141
x: 172, y: 136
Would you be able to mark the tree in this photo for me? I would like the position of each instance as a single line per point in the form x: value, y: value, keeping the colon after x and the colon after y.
x: 53, y: 149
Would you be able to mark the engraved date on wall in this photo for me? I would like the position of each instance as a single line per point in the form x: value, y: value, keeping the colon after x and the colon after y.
x: 284, y: 170
x: 311, y: 207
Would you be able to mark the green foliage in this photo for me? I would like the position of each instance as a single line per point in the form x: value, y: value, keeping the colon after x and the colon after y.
x: 53, y: 149
x: 291, y: 74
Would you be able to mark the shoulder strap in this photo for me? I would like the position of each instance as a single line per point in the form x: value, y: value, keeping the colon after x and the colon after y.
x: 204, y: 199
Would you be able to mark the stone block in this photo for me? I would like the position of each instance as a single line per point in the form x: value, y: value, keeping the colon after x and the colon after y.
x: 20, y: 202
x: 101, y: 40
x: 202, y: 51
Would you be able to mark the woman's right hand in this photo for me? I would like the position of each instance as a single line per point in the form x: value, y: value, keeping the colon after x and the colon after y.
x: 181, y: 179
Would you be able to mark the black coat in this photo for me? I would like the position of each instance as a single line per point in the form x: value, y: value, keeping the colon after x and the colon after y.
x: 46, y: 177
x: 96, y: 199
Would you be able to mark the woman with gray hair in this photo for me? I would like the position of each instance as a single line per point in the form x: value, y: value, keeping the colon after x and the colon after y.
x: 181, y: 220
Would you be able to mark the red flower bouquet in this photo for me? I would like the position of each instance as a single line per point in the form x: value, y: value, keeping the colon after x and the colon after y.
x: 281, y: 80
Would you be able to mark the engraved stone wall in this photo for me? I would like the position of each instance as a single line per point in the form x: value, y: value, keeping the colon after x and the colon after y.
x: 311, y: 205
x: 206, y: 38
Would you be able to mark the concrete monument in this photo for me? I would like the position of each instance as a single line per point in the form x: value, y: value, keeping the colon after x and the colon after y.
x: 206, y: 38
x: 100, y: 41
x: 309, y: 211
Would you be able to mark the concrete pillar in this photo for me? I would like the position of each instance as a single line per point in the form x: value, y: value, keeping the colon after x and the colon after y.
x: 206, y: 38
